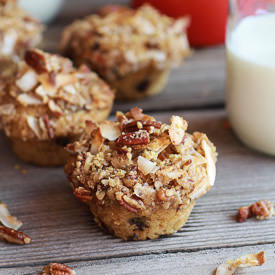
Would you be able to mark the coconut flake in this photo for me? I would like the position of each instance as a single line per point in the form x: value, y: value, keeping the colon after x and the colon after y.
x: 33, y: 124
x: 177, y: 129
x: 211, y: 167
x: 200, y: 190
x: 109, y: 130
x: 55, y: 108
x: 6, y: 219
x: 8, y: 43
x: 230, y: 266
x: 27, y: 81
x: 26, y: 99
x: 65, y: 80
x: 146, y: 166
x: 70, y: 89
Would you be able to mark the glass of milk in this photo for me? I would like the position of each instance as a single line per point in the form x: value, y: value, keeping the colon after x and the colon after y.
x: 250, y: 51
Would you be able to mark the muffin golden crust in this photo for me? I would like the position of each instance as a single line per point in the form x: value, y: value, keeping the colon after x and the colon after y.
x: 120, y: 42
x: 19, y: 32
x: 45, y: 106
x: 141, y: 177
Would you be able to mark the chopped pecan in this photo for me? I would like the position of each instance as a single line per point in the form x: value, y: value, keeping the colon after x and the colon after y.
x: 13, y: 236
x: 57, y: 269
x: 162, y: 196
x: 177, y: 129
x: 137, y: 113
x: 261, y: 210
x: 36, y: 60
x: 130, y: 204
x: 244, y: 214
x: 134, y: 138
x: 133, y: 125
x: 48, y: 126
x: 83, y: 194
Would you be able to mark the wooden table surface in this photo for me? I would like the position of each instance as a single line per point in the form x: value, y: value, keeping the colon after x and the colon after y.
x: 63, y: 229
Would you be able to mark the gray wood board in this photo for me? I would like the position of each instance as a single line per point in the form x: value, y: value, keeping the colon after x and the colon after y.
x: 202, y: 262
x: 198, y: 83
x: 62, y: 228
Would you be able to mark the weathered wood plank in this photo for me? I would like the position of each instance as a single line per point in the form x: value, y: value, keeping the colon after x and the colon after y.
x: 196, y: 263
x: 63, y: 230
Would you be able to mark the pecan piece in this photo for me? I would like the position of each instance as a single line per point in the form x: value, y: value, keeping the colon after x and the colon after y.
x: 49, y: 126
x: 83, y: 194
x: 137, y: 113
x: 243, y: 214
x: 134, y: 125
x: 36, y: 60
x: 134, y: 138
x: 127, y: 206
x: 162, y: 196
x: 261, y: 210
x: 57, y: 269
x: 13, y: 236
x: 131, y: 204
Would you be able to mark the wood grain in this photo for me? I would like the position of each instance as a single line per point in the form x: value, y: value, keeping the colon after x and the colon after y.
x: 195, y: 263
x: 62, y: 228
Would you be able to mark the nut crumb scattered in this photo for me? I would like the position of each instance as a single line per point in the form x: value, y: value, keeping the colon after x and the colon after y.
x: 24, y: 171
x: 58, y: 269
x: 262, y: 210
x: 230, y: 266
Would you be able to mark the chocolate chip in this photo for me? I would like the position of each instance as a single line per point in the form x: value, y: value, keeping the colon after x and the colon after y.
x: 143, y: 86
x: 95, y: 46
x: 62, y: 141
x: 139, y: 222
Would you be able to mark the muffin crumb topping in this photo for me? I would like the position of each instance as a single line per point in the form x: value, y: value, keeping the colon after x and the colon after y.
x: 141, y: 162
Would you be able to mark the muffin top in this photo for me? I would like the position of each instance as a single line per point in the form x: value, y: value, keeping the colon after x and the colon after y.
x: 141, y: 163
x: 121, y: 40
x: 18, y: 30
x: 50, y: 98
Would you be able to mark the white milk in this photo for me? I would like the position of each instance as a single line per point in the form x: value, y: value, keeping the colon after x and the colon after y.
x: 251, y: 81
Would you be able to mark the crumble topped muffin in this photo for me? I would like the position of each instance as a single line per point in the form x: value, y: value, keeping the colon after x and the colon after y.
x: 133, y: 50
x: 45, y: 106
x: 140, y: 177
x: 19, y: 32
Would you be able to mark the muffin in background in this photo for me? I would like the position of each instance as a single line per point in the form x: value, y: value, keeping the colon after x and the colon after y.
x: 133, y: 50
x: 19, y: 32
x: 140, y: 177
x: 46, y: 105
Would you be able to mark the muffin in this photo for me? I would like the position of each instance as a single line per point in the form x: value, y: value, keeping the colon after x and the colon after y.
x: 133, y: 50
x: 140, y: 177
x: 19, y: 32
x: 46, y: 105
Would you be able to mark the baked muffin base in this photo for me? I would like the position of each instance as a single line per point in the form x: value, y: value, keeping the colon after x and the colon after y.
x: 42, y: 153
x: 127, y: 225
x: 145, y: 82
x: 51, y: 152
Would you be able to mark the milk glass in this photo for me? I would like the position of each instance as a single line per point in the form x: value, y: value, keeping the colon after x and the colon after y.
x: 250, y: 53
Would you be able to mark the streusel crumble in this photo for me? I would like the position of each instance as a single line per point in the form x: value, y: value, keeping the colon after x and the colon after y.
x: 133, y: 50
x: 46, y: 105
x: 140, y: 177
x: 19, y: 32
